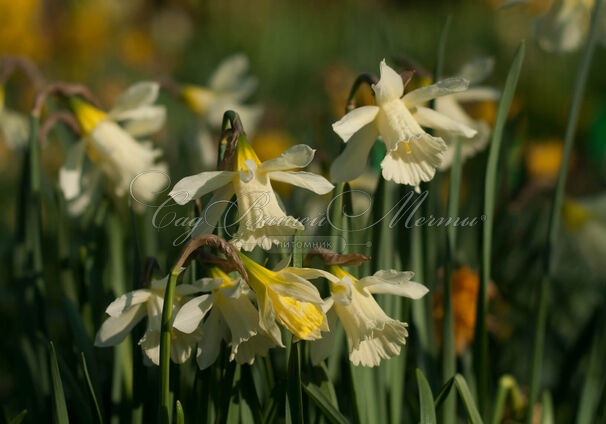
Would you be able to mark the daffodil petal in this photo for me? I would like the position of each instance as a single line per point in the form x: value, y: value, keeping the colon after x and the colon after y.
x: 393, y: 282
x: 196, y: 186
x: 307, y: 180
x: 212, y: 333
x: 127, y: 301
x: 214, y: 209
x: 70, y: 174
x: 115, y: 329
x: 191, y: 314
x: 441, y: 88
x: 430, y: 118
x: 478, y: 94
x: 351, y: 163
x: 298, y: 156
x: 390, y: 85
x: 353, y: 121
x: 150, y: 344
x: 142, y: 121
x: 229, y: 72
x: 477, y: 70
x: 141, y: 94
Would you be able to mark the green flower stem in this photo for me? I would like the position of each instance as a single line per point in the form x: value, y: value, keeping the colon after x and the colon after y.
x: 555, y: 216
x: 166, y: 323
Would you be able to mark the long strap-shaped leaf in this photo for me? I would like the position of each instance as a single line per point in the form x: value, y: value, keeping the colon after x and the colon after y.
x: 426, y: 405
x: 490, y: 189
x: 59, y: 396
x: 327, y: 408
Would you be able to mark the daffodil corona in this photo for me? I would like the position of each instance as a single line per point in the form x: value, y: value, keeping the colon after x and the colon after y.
x: 286, y: 296
x: 371, y: 334
x: 412, y: 154
x: 261, y: 220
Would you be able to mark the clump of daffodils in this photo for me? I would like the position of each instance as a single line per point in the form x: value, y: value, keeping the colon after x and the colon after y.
x: 109, y: 142
x: 246, y: 314
x: 413, y: 155
x: 261, y: 220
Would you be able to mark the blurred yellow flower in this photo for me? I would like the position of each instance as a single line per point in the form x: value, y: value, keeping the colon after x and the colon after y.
x: 21, y: 28
x: 136, y: 47
x: 543, y: 160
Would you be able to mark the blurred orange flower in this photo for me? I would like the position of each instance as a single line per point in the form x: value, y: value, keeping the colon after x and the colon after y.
x: 465, y: 283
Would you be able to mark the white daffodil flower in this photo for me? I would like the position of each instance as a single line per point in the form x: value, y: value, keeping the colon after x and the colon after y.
x: 129, y: 309
x: 227, y: 89
x: 108, y: 141
x: 371, y: 334
x: 261, y: 220
x: 412, y: 154
x: 585, y: 222
x: 232, y: 318
x: 566, y: 25
x: 451, y: 106
x: 286, y: 296
x: 14, y: 126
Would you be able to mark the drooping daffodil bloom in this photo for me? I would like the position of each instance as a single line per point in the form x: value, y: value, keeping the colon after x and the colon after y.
x: 565, y: 26
x: 129, y: 309
x: 227, y: 89
x: 287, y: 297
x: 262, y: 222
x: 233, y: 318
x: 452, y: 106
x: 14, y: 126
x: 371, y: 334
x: 108, y: 140
x: 412, y: 154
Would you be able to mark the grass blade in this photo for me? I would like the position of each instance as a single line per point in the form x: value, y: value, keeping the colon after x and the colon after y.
x: 327, y: 408
x: 426, y: 405
x: 18, y: 419
x: 490, y: 189
x: 594, y: 382
x: 58, y: 394
x: 90, y: 388
x: 547, y: 415
x: 467, y: 398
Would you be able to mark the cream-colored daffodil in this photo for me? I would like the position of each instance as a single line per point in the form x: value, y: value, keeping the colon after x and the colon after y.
x: 371, y: 334
x: 412, y: 154
x: 566, y: 25
x: 452, y: 106
x: 14, y: 126
x: 262, y: 222
x: 108, y: 141
x: 286, y: 296
x: 227, y: 89
x: 585, y: 222
x: 129, y: 309
x: 232, y: 318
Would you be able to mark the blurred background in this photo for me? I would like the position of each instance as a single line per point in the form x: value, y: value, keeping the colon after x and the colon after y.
x: 306, y: 56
